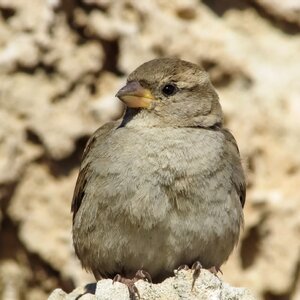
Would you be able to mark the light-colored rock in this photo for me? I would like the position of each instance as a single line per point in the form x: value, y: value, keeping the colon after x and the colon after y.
x: 207, y: 287
x: 12, y: 280
x: 19, y: 51
x: 288, y: 10
x: 105, y: 106
x: 57, y: 294
x: 40, y: 206
x: 61, y: 63
x: 14, y: 152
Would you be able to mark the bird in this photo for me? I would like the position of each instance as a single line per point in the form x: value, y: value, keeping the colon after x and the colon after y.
x: 164, y: 186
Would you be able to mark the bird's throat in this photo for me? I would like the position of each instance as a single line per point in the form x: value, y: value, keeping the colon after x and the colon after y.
x: 129, y: 114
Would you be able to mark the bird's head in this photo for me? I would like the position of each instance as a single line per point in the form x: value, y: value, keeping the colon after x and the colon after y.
x: 171, y: 92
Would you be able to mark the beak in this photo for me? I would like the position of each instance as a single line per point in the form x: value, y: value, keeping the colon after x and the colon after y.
x: 135, y: 96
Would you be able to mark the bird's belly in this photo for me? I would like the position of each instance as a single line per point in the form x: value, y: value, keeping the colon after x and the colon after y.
x: 122, y: 247
x: 168, y: 206
x: 183, y: 240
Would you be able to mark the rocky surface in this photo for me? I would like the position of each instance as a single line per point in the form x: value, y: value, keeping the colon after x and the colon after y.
x: 62, y: 61
x: 206, y: 287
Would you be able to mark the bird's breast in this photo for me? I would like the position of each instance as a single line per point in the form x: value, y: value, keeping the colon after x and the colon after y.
x: 159, y: 170
x: 172, y: 155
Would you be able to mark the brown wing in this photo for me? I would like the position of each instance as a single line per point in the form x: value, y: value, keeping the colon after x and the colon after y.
x: 241, y: 190
x: 79, y: 190
x: 82, y: 179
x: 238, y: 176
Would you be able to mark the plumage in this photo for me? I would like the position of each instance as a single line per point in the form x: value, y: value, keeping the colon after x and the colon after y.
x: 164, y: 186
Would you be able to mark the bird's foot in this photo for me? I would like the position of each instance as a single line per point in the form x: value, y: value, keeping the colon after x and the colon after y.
x: 130, y: 283
x: 183, y: 267
x: 197, y: 267
x: 141, y: 274
x: 132, y: 289
x: 215, y: 270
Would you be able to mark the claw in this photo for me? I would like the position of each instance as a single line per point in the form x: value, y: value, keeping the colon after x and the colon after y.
x: 183, y: 267
x: 214, y: 270
x: 197, y: 270
x: 141, y: 274
x: 118, y: 278
x: 196, y: 267
x: 134, y: 293
x: 132, y: 289
x: 130, y: 283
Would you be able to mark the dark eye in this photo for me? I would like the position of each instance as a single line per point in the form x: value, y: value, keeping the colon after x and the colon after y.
x: 169, y: 89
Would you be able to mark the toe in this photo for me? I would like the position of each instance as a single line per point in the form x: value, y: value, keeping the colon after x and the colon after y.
x: 183, y: 267
x: 141, y: 274
x: 197, y: 270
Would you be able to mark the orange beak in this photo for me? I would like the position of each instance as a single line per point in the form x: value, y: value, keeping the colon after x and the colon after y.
x: 135, y: 96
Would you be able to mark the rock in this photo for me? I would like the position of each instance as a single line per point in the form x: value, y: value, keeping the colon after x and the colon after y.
x: 12, y: 280
x: 288, y: 10
x: 40, y: 206
x: 19, y: 51
x: 14, y: 152
x: 61, y: 63
x: 207, y: 287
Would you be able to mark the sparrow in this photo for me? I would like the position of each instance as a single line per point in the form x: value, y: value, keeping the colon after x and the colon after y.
x: 164, y: 186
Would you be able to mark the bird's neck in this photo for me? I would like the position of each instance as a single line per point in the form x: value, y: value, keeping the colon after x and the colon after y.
x: 138, y: 118
x: 128, y: 116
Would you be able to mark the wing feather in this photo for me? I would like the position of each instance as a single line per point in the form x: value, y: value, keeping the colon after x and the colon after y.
x: 97, y: 138
x: 238, y: 177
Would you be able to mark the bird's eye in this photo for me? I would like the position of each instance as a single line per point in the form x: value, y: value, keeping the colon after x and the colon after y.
x: 169, y: 89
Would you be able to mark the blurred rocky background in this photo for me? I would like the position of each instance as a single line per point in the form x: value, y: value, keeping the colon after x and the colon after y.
x: 62, y: 61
